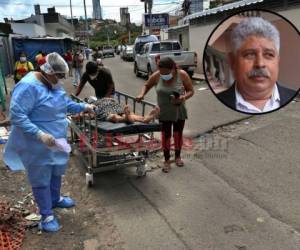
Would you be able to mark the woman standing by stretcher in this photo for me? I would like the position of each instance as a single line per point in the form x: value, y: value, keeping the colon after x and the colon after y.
x: 173, y: 87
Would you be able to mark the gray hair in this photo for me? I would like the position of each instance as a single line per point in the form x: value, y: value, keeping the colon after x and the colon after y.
x: 254, y: 26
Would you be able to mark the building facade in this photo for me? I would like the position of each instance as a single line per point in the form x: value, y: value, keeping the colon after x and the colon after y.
x: 46, y: 24
x: 194, y: 29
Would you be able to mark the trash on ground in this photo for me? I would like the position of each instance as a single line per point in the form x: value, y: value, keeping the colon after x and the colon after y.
x: 33, y: 217
x: 12, y: 227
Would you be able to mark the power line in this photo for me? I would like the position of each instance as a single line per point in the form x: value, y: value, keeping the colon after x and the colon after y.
x: 80, y: 6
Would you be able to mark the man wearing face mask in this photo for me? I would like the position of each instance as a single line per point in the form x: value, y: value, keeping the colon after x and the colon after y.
x: 38, y: 110
x: 100, y: 78
x: 173, y: 87
x: 22, y: 67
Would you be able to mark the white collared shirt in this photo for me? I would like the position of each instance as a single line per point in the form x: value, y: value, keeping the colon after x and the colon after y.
x: 242, y: 105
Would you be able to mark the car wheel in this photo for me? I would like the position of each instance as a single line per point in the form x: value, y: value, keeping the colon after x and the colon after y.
x: 136, y: 70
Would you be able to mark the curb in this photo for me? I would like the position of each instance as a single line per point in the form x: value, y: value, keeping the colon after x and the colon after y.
x: 208, y: 131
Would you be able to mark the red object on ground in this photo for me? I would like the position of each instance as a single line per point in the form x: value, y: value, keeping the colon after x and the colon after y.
x: 12, y: 228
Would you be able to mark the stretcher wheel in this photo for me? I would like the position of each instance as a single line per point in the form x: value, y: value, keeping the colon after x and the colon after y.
x: 89, y: 179
x: 141, y: 170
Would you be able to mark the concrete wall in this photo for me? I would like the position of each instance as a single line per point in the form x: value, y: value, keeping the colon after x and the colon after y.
x: 56, y: 30
x: 28, y: 29
x: 198, y: 36
x: 289, y: 55
x: 185, y: 37
x: 292, y: 15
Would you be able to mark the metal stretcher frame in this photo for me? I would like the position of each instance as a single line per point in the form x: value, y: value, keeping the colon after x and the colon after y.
x: 100, y: 152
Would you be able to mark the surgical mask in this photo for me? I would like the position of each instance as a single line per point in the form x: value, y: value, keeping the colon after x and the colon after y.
x: 59, y: 84
x: 166, y: 77
x: 23, y: 59
x: 93, y: 77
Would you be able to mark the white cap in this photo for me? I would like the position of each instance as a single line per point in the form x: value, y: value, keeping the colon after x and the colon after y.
x: 54, y: 64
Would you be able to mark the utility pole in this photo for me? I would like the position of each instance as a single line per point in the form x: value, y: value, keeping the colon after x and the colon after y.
x: 148, y: 9
x: 108, y: 41
x: 86, y: 25
x: 128, y: 27
x: 150, y: 25
x: 71, y: 14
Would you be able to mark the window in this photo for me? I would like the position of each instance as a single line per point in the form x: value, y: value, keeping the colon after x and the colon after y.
x: 176, y: 46
x: 165, y: 47
x: 156, y: 47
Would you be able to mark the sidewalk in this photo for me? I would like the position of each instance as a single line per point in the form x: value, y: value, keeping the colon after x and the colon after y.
x: 198, y: 77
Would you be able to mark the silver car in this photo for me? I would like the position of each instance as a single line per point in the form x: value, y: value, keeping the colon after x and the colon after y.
x: 128, y: 53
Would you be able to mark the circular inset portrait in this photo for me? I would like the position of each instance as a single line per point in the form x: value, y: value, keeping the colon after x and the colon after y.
x: 251, y: 61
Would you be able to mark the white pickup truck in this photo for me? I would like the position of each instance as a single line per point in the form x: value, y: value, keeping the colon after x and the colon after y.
x: 108, y: 50
x: 145, y: 61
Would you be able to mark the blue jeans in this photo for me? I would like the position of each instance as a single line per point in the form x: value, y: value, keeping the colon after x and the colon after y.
x: 78, y: 74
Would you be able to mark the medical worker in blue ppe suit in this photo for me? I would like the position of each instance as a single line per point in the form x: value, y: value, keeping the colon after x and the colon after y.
x: 38, y: 111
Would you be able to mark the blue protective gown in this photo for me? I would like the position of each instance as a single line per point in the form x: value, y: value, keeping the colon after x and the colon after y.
x: 34, y: 107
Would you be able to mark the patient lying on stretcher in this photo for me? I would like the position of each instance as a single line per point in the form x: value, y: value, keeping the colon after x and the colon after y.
x: 108, y: 109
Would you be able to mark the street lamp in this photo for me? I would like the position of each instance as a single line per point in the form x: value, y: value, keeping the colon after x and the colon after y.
x: 86, y: 26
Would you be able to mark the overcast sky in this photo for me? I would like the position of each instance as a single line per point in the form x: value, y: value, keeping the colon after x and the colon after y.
x: 20, y: 9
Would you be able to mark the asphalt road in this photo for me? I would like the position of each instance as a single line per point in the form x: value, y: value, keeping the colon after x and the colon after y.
x: 239, y: 189
x: 205, y: 111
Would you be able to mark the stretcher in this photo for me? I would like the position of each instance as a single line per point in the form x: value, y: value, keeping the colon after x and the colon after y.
x: 104, y: 146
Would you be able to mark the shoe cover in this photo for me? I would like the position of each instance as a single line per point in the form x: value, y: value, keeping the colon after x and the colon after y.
x: 49, y: 224
x: 65, y: 202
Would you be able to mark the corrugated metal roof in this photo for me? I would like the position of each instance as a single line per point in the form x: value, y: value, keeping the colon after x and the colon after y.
x: 225, y: 7
x: 178, y: 27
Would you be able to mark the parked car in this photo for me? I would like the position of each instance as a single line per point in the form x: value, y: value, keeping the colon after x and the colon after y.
x: 127, y: 53
x: 108, y: 50
x: 122, y: 50
x: 118, y: 50
x: 140, y: 41
x: 145, y: 61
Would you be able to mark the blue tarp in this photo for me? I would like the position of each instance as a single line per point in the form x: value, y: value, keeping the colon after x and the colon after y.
x: 33, y: 46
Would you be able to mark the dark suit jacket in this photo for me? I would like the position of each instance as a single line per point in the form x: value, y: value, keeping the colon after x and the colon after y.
x: 228, y: 96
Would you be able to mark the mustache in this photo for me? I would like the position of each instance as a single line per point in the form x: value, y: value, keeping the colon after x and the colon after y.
x: 259, y: 72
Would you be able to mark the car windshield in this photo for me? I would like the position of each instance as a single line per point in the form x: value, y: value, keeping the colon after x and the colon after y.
x: 176, y: 46
x: 138, y: 47
x: 165, y: 46
x: 156, y: 47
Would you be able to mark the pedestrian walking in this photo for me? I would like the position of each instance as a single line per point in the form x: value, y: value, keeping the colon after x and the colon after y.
x: 173, y: 87
x: 78, y: 66
x: 38, y: 110
x: 68, y: 56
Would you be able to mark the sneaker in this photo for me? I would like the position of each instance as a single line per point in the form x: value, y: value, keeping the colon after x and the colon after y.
x: 65, y: 202
x: 49, y: 224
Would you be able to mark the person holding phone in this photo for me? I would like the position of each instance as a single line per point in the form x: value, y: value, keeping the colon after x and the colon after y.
x: 173, y: 87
